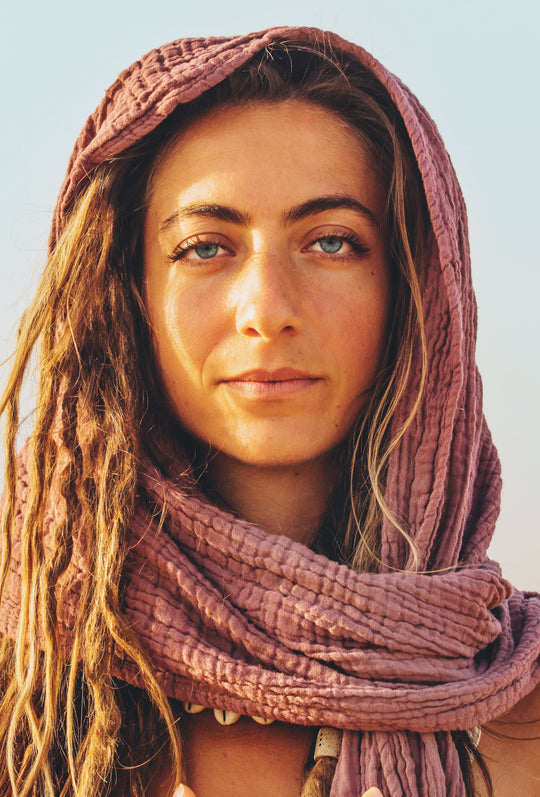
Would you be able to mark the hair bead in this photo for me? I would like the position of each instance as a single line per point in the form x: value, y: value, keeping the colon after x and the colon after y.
x: 327, y: 743
x: 226, y: 717
x: 193, y: 708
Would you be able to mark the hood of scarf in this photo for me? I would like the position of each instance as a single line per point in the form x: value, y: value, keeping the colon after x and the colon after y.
x: 234, y: 618
x: 444, y: 477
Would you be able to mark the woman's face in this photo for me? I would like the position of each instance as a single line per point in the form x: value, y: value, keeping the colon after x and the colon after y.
x: 266, y: 280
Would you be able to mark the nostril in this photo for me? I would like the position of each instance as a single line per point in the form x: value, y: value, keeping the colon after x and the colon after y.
x: 251, y: 332
x: 266, y: 313
x: 267, y: 332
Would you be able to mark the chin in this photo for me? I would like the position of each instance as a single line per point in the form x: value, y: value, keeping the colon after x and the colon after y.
x: 274, y: 454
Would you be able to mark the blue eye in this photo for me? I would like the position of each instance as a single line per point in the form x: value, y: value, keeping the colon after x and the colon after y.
x: 339, y: 245
x: 194, y: 250
x: 206, y: 251
x: 331, y: 245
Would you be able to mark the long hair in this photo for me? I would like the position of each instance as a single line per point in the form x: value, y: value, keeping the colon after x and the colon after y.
x: 66, y: 725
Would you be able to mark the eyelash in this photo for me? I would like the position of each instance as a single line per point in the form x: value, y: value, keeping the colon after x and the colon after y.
x: 180, y: 252
x: 356, y: 244
x: 359, y: 248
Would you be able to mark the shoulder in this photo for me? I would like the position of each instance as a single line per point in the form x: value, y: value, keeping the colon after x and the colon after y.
x: 510, y: 748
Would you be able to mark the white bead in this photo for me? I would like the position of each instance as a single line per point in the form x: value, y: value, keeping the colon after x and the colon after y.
x: 327, y: 744
x: 192, y: 708
x: 475, y: 734
x: 226, y: 717
x: 262, y: 720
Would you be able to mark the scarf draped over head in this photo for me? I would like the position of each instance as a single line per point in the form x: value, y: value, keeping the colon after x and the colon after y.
x: 237, y: 619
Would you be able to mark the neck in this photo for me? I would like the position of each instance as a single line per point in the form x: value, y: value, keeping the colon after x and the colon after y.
x: 289, y: 500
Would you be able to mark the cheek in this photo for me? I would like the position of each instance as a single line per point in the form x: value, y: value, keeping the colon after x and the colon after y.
x: 183, y: 331
x: 360, y: 333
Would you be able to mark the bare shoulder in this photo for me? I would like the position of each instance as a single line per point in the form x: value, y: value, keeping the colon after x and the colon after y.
x: 510, y: 747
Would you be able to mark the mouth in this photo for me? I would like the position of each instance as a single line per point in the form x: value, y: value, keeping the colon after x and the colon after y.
x: 279, y: 383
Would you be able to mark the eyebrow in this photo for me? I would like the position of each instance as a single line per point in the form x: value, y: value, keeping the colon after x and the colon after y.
x: 219, y: 212
x: 320, y: 204
x: 294, y: 214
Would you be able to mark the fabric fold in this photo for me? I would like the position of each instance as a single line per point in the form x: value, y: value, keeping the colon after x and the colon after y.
x: 237, y: 619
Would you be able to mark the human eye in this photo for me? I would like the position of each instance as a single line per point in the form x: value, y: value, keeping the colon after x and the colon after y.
x: 198, y: 249
x: 338, y: 244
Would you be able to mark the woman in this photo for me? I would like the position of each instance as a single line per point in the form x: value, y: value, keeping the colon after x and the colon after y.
x: 259, y: 492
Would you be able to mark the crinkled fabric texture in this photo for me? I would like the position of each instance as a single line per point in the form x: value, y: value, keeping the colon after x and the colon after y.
x: 238, y: 619
x: 258, y: 624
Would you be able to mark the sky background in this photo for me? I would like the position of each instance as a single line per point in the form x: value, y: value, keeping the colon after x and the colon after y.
x: 472, y: 63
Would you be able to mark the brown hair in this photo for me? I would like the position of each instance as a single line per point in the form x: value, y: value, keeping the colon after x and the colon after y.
x: 69, y: 727
x: 351, y: 534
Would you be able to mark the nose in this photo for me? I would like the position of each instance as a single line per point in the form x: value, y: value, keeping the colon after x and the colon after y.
x: 267, y: 297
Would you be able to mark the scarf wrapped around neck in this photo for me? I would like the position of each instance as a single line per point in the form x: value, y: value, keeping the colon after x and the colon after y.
x: 238, y: 619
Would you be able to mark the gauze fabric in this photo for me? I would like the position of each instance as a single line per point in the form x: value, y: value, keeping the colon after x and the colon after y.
x: 238, y: 619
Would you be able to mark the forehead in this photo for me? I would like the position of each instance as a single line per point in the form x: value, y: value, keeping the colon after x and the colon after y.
x: 264, y: 145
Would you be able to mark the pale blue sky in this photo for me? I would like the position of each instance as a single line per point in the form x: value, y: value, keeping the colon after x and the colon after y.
x: 473, y: 63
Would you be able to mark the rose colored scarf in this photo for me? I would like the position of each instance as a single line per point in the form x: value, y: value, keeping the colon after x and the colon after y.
x: 238, y: 619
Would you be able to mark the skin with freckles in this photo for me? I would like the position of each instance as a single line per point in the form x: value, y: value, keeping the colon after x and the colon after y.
x: 267, y: 286
x: 185, y: 791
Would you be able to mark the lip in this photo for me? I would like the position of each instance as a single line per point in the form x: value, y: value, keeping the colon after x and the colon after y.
x: 267, y: 375
x: 260, y: 383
